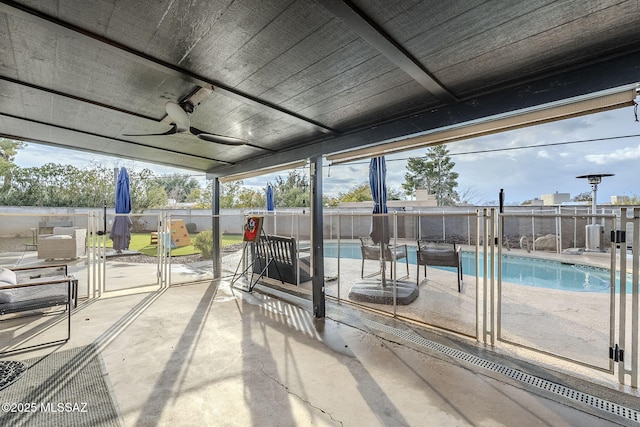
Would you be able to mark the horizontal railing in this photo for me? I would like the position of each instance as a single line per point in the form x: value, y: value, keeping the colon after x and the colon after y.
x: 439, y: 304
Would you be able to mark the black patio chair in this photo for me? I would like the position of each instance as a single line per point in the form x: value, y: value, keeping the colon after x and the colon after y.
x: 439, y: 254
x: 371, y: 251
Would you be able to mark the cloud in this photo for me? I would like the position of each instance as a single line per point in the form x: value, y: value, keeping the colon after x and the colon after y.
x: 621, y: 154
x: 573, y: 126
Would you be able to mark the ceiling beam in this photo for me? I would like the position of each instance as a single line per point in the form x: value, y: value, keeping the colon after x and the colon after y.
x: 116, y: 155
x: 99, y: 42
x: 166, y: 118
x: 362, y: 25
x: 76, y: 98
x: 608, y: 74
x: 68, y: 129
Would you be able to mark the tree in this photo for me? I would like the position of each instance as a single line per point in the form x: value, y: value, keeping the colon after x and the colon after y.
x: 251, y: 198
x: 330, y: 202
x: 433, y: 172
x: 394, y: 194
x: 469, y: 196
x: 177, y: 186
x: 234, y: 196
x: 530, y: 202
x: 201, y: 197
x: 358, y: 193
x: 8, y: 150
x: 228, y: 194
x: 294, y: 191
x: 146, y: 192
x: 67, y: 186
x: 630, y: 201
x: 585, y: 196
x: 59, y: 185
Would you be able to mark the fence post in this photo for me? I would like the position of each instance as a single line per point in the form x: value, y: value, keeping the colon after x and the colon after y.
x: 533, y: 230
x: 559, y: 229
x: 444, y: 224
x: 338, y: 254
x: 216, y: 233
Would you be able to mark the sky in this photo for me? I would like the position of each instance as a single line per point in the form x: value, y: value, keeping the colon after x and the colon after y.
x: 607, y: 142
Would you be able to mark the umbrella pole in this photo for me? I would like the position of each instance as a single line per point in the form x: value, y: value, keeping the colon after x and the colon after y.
x: 383, y: 202
x: 383, y: 262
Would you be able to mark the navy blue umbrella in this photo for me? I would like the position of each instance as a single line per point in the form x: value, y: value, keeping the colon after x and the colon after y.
x: 123, y: 192
x: 377, y: 177
x: 120, y: 231
x: 271, y: 204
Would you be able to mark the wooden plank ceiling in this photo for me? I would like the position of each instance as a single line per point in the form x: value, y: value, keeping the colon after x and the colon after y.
x: 293, y: 78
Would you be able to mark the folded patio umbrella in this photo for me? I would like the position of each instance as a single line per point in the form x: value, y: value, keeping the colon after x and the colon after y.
x: 271, y: 205
x: 121, y: 229
x: 380, y: 223
x: 377, y: 177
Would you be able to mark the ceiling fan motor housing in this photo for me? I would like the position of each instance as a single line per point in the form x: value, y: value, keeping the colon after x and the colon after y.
x: 187, y: 107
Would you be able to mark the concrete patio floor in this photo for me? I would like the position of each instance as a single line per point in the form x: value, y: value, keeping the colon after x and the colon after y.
x: 209, y: 354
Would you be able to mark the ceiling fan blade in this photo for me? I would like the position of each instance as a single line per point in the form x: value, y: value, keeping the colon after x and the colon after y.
x: 218, y: 139
x: 171, y: 131
x: 179, y: 117
x: 225, y: 140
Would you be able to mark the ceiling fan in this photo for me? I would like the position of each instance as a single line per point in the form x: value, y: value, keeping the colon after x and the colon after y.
x: 180, y: 124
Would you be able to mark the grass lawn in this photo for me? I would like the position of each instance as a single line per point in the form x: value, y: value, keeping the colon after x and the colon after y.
x: 142, y: 242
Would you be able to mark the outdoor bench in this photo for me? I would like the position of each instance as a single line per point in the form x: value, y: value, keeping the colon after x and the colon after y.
x: 283, y: 251
x: 30, y: 290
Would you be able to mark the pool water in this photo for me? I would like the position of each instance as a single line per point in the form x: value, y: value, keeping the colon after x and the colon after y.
x: 517, y: 269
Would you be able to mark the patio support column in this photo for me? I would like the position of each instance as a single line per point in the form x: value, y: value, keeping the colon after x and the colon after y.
x: 317, y: 243
x: 215, y: 228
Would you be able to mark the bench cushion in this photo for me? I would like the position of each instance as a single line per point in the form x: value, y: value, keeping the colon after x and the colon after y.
x: 7, y: 277
x: 56, y: 237
x: 33, y: 304
x: 391, y: 252
x: 44, y: 291
x: 441, y: 254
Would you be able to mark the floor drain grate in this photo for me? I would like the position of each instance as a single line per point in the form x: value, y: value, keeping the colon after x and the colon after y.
x: 560, y: 390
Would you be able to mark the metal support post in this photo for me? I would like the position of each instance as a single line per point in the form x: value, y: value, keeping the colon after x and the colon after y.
x: 317, y: 247
x: 215, y: 229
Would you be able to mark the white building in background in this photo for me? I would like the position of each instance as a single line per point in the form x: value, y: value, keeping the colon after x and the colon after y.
x: 555, y: 198
x: 619, y: 200
x: 424, y: 199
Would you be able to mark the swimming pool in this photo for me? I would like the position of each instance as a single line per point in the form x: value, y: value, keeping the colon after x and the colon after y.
x: 520, y: 270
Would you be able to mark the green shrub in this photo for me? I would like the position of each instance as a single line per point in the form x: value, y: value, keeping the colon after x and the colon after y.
x: 204, y: 243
